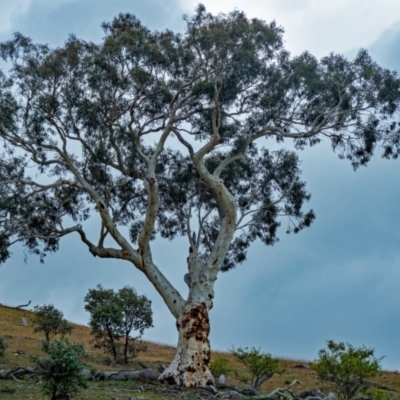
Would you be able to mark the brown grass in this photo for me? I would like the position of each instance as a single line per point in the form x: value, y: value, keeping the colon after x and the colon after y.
x: 23, y: 338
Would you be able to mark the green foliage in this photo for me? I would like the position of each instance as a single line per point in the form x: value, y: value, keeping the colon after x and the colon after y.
x: 220, y: 365
x: 346, y: 367
x: 107, y: 97
x: 113, y: 316
x: 260, y: 366
x: 3, y: 346
x: 60, y: 371
x: 50, y: 321
x: 375, y: 393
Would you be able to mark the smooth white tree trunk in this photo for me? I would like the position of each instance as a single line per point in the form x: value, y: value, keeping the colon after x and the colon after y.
x: 190, y: 367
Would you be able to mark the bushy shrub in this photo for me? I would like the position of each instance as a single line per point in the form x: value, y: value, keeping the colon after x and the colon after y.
x: 60, y: 371
x: 260, y: 366
x: 346, y: 368
x: 220, y: 365
x: 3, y: 346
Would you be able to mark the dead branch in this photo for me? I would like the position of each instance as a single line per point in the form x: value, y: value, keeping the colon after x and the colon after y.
x: 24, y: 305
x: 144, y: 375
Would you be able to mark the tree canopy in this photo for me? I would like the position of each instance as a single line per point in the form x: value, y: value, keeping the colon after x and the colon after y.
x: 82, y: 114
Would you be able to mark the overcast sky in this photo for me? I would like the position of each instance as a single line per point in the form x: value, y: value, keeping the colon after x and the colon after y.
x: 337, y: 280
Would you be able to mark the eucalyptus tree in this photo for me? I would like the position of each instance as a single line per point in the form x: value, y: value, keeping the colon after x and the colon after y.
x: 114, y: 315
x: 174, y: 135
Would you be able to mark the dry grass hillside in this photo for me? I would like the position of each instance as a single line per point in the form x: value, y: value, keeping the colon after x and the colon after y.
x: 23, y: 342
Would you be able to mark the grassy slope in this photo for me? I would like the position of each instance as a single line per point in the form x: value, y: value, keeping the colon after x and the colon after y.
x: 23, y: 338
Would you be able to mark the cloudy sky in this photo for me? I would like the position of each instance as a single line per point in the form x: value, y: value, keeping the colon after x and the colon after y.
x: 337, y: 280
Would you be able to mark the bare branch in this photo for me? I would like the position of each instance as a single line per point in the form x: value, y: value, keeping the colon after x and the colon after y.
x: 183, y: 141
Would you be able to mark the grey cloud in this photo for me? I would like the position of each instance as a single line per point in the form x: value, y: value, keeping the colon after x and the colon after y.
x: 386, y: 49
x: 52, y: 24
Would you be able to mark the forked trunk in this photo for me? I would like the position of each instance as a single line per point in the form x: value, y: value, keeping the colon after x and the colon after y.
x: 190, y: 367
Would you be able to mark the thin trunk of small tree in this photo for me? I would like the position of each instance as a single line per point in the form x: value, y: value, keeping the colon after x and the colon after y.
x: 113, y: 344
x: 114, y: 351
x: 126, y: 344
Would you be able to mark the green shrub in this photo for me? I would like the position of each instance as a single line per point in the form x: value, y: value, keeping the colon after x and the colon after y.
x: 3, y: 346
x: 60, y: 371
x: 375, y: 393
x: 260, y: 366
x: 346, y: 368
x: 220, y: 365
x: 50, y: 321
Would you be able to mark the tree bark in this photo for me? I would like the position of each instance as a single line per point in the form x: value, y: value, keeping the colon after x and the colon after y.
x: 190, y: 367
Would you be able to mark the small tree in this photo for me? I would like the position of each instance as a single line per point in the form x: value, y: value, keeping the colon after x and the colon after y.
x: 346, y: 367
x: 60, y: 372
x: 261, y: 366
x: 113, y: 316
x: 50, y: 321
x: 137, y: 316
x: 3, y: 346
x: 105, y: 315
